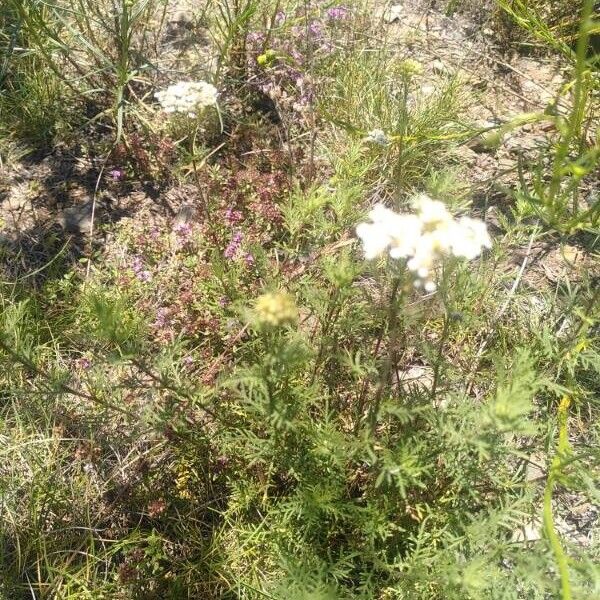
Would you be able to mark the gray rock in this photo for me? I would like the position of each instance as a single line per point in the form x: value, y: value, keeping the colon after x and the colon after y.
x: 78, y: 219
x: 393, y: 14
x: 442, y: 68
x: 186, y: 214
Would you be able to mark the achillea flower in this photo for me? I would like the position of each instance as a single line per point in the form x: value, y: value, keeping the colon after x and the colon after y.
x: 275, y: 309
x: 474, y: 236
x: 422, y: 238
x: 187, y: 97
x: 411, y: 67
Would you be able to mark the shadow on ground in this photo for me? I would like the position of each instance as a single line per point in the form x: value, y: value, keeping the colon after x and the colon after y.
x: 49, y: 204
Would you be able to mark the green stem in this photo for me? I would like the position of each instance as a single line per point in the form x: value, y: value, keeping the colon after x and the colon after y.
x: 575, y: 119
x: 553, y: 475
x: 390, y: 363
x: 440, y: 355
x: 51, y: 383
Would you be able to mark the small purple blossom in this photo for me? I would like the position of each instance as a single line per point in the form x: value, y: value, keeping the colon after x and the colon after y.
x: 137, y: 264
x: 223, y: 301
x: 183, y: 233
x: 188, y: 361
x: 255, y: 37
x: 117, y: 174
x: 233, y: 216
x: 183, y: 230
x: 161, y: 318
x: 139, y: 271
x: 315, y: 29
x: 249, y: 259
x: 338, y: 13
x: 280, y: 18
x: 234, y: 245
x: 297, y: 56
x: 83, y: 363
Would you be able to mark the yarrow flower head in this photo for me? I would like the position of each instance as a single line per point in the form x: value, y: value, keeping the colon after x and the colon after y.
x: 275, y: 309
x: 410, y: 67
x: 188, y: 97
x: 423, y: 238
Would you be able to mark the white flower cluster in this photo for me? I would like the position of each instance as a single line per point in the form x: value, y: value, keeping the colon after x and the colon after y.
x: 187, y: 97
x: 422, y: 238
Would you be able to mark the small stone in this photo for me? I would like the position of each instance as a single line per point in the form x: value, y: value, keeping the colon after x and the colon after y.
x: 418, y: 376
x: 529, y: 532
x: 488, y: 141
x: 427, y: 90
x: 493, y: 217
x: 535, y: 469
x: 77, y: 219
x: 393, y: 14
x: 441, y: 68
x: 186, y: 214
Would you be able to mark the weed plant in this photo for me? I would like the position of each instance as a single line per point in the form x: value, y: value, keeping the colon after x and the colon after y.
x: 239, y: 405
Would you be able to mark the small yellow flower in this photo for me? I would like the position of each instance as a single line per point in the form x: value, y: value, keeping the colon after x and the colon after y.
x: 267, y: 59
x: 275, y: 309
x: 183, y: 479
x: 411, y: 67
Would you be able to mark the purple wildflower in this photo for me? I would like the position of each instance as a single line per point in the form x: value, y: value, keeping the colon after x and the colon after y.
x: 137, y: 264
x: 338, y: 13
x: 161, y: 318
x: 249, y: 259
x: 83, y: 363
x: 233, y: 216
x: 138, y: 269
x: 255, y: 37
x: 117, y: 174
x: 234, y: 245
x: 188, y: 361
x: 297, y: 56
x: 183, y: 232
x: 315, y: 29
